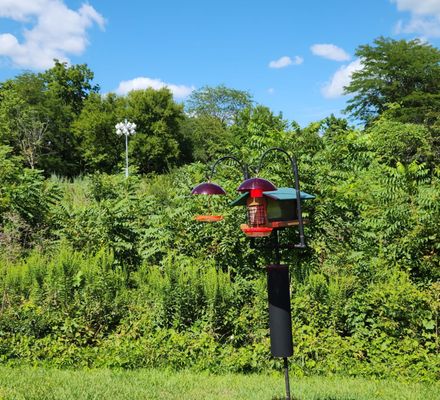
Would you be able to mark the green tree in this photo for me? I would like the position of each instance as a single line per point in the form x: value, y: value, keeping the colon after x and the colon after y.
x: 206, y: 136
x: 257, y: 129
x: 158, y: 143
x: 219, y: 102
x: 394, y: 141
x: 67, y: 87
x: 396, y: 71
x: 36, y: 113
x: 70, y: 84
x: 94, y: 129
x: 19, y: 97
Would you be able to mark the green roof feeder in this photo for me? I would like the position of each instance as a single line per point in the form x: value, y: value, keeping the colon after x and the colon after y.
x: 281, y: 203
x: 280, y: 210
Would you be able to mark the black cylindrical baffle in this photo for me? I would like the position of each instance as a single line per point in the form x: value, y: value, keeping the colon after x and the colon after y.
x: 280, y: 319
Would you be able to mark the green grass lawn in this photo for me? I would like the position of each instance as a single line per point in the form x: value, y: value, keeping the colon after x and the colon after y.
x: 39, y: 383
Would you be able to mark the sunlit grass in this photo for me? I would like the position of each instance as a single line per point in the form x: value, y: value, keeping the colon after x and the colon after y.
x: 38, y: 383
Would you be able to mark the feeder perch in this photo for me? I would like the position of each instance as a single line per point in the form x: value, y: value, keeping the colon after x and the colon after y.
x: 254, y: 232
x: 208, y: 218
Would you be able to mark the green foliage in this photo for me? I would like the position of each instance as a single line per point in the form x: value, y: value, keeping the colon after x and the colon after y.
x: 206, y: 136
x: 396, y: 71
x: 258, y: 129
x: 71, y: 84
x: 115, y: 272
x: 45, y: 103
x: 219, y: 102
x: 393, y: 142
x: 100, y: 147
x: 157, y: 145
x: 26, y: 205
x: 128, y: 287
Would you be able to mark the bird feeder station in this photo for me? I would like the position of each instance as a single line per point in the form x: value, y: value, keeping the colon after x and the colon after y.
x: 268, y: 208
x: 209, y: 189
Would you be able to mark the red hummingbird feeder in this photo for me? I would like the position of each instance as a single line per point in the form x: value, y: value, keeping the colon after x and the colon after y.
x: 208, y: 188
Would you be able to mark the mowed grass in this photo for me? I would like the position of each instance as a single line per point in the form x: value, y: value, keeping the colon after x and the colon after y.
x: 38, y: 383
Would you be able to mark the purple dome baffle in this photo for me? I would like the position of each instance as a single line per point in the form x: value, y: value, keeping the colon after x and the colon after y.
x: 256, y: 184
x: 208, y: 188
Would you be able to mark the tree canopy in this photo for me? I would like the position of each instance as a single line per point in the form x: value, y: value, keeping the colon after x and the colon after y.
x: 406, y: 73
x: 219, y: 101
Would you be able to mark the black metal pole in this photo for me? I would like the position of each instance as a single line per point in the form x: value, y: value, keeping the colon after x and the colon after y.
x: 286, y: 377
x: 294, y: 166
x: 280, y: 319
x: 298, y: 205
x: 277, y: 247
x: 243, y: 166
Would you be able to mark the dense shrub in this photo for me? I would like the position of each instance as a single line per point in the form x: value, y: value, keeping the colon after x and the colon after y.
x: 108, y: 271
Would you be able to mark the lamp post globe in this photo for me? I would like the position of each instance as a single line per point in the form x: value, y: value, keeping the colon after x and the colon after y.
x: 126, y: 128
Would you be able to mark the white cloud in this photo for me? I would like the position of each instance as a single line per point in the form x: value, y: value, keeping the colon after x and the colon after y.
x: 56, y: 31
x: 271, y: 90
x: 281, y: 62
x: 330, y: 51
x: 179, y: 91
x: 285, y: 61
x: 341, y: 78
x: 424, y: 26
x: 298, y: 60
x: 425, y: 17
x: 420, y: 7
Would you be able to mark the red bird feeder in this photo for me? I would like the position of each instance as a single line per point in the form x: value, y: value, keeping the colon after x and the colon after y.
x: 256, y: 206
x: 208, y: 188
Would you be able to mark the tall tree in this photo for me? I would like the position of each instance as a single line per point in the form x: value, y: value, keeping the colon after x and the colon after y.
x: 206, y: 137
x: 219, y: 102
x: 70, y: 84
x: 36, y: 113
x: 94, y: 130
x: 23, y: 116
x: 31, y: 131
x: 158, y: 143
x: 396, y: 71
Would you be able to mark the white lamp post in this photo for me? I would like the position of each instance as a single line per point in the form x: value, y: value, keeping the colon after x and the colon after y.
x: 126, y: 128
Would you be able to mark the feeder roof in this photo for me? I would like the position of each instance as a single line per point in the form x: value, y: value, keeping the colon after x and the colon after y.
x: 287, y: 194
x: 208, y: 188
x: 256, y: 183
x: 282, y: 194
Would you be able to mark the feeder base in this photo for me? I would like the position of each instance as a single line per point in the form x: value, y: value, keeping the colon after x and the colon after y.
x: 208, y: 218
x: 260, y: 231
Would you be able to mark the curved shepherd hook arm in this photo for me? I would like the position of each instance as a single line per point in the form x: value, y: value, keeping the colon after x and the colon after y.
x: 294, y: 166
x: 244, y: 167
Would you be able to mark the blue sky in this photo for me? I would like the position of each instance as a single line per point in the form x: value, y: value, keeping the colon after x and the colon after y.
x: 293, y: 56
